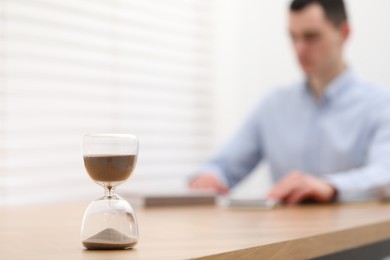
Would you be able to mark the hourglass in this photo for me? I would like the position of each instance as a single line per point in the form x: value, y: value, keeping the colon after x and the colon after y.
x: 109, y: 222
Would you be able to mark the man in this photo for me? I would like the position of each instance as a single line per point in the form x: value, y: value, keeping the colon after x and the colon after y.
x: 326, y: 138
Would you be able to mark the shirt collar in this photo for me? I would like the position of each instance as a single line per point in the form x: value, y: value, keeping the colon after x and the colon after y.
x: 336, y: 87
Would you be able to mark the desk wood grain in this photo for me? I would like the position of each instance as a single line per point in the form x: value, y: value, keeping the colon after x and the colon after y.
x: 52, y: 232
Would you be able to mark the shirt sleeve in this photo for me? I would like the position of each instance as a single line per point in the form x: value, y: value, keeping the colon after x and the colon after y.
x: 241, y: 154
x: 368, y: 181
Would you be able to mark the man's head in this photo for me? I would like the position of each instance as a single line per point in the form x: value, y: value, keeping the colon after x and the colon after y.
x: 319, y: 29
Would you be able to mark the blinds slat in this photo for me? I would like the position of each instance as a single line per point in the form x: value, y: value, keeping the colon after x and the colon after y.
x: 126, y: 19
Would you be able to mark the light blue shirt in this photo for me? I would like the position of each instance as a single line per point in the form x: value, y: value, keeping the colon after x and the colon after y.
x: 343, y: 138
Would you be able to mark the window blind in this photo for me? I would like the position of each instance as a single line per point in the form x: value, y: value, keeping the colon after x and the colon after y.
x: 73, y: 67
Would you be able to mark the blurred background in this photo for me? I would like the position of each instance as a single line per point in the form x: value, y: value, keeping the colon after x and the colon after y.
x: 180, y: 74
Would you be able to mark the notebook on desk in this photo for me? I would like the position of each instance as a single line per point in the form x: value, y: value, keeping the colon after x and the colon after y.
x: 179, y: 198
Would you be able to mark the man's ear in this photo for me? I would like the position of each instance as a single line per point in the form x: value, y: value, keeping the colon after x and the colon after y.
x: 345, y: 31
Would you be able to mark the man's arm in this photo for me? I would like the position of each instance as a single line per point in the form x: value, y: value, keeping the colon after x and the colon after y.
x: 356, y: 184
x: 235, y: 160
x: 367, y: 181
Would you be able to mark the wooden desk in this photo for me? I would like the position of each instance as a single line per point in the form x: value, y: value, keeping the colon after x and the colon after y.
x: 52, y: 232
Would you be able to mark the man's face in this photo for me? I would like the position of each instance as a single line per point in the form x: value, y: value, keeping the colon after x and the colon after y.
x: 317, y: 42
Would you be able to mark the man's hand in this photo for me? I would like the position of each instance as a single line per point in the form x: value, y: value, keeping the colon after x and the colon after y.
x: 208, y: 182
x: 298, y: 186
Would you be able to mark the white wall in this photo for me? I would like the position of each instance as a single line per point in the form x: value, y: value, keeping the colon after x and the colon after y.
x: 253, y: 55
x: 369, y: 48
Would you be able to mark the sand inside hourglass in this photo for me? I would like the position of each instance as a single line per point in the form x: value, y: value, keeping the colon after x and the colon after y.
x: 109, y: 238
x: 109, y: 169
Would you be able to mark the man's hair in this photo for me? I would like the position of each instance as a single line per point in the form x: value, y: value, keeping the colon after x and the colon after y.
x: 335, y: 10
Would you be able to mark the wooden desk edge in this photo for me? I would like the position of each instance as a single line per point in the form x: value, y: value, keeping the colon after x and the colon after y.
x: 313, y: 246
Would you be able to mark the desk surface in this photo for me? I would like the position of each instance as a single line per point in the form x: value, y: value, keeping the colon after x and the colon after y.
x: 52, y: 232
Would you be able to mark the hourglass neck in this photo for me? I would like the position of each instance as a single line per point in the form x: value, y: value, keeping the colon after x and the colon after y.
x: 109, y: 191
